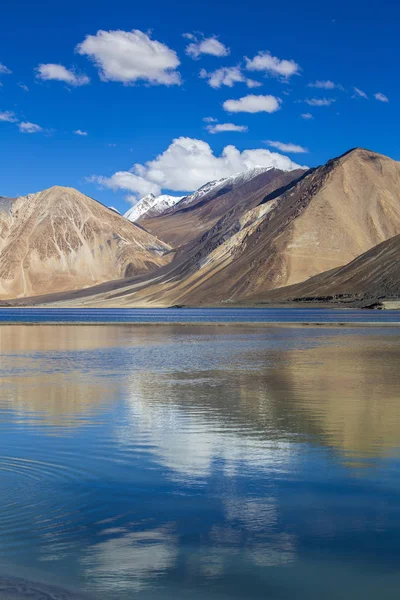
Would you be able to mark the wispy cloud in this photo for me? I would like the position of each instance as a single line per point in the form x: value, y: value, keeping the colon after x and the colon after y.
x: 55, y: 72
x: 227, y: 76
x: 286, y: 147
x: 204, y: 45
x: 209, y: 120
x: 23, y: 87
x: 80, y: 132
x: 8, y: 116
x: 320, y: 101
x: 381, y: 97
x: 4, y: 70
x: 222, y: 127
x: 253, y: 104
x: 306, y: 116
x: 326, y: 85
x: 359, y: 93
x: 272, y: 65
x: 28, y: 127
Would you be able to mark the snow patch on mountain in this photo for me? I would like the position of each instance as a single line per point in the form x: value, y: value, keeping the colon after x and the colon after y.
x: 214, y: 186
x: 151, y: 206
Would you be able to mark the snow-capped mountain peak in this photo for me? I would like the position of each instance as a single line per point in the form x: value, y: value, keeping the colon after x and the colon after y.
x: 151, y: 206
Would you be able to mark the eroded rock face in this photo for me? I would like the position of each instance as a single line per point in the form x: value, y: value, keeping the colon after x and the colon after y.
x: 60, y: 239
x: 319, y: 222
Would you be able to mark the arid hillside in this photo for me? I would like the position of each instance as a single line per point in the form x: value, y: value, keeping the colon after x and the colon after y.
x: 273, y: 236
x: 59, y: 240
x: 193, y: 216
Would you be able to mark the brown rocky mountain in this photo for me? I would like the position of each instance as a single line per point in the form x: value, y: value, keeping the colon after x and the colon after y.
x: 320, y: 221
x: 59, y: 239
x: 373, y: 276
x: 188, y: 220
x: 285, y: 235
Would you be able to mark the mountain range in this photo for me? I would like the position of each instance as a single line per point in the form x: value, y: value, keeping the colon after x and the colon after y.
x: 263, y: 236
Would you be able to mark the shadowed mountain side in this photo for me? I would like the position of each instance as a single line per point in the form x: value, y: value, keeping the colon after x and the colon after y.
x: 319, y: 222
x: 329, y: 217
x: 182, y: 224
x: 373, y: 275
x: 59, y: 240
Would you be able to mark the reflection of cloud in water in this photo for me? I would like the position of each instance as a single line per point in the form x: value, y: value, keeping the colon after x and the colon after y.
x: 131, y: 560
x: 189, y: 438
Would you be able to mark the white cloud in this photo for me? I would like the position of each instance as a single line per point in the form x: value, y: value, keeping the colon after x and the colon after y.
x: 80, y: 132
x: 264, y: 61
x: 202, y: 45
x: 320, y: 101
x: 131, y: 56
x: 4, y: 70
x: 323, y: 85
x: 221, y: 127
x: 187, y: 164
x: 306, y: 116
x: 51, y: 71
x: 126, y: 180
x: 209, y: 120
x: 23, y: 87
x: 359, y: 93
x: 8, y: 116
x: 27, y: 127
x: 381, y: 97
x: 227, y: 76
x: 253, y: 104
x: 286, y: 147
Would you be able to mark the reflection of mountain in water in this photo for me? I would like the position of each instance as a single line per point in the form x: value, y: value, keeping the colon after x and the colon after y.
x: 341, y: 392
x: 213, y: 391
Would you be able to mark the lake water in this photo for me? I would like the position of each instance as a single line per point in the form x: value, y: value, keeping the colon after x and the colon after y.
x: 199, y: 461
x: 197, y: 315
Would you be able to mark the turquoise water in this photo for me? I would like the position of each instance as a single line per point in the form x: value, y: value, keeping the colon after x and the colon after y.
x: 194, y: 315
x: 199, y: 462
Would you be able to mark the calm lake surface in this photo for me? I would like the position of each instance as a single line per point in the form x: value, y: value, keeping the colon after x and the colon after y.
x: 197, y: 315
x: 200, y: 461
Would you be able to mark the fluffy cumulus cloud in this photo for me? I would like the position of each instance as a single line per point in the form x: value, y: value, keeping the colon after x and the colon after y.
x: 359, y: 93
x: 253, y: 104
x: 51, y: 71
x: 8, y: 116
x: 381, y: 97
x: 320, y: 101
x: 227, y: 76
x: 131, y: 56
x: 4, y: 70
x: 286, y: 147
x: 80, y: 132
x: 28, y: 127
x: 306, y: 116
x: 272, y: 65
x: 187, y: 164
x: 202, y: 45
x: 221, y: 127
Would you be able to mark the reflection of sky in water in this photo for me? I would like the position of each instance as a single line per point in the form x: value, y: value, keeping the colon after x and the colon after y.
x: 189, y: 462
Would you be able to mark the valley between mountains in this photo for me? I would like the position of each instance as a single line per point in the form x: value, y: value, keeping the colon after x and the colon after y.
x: 265, y: 236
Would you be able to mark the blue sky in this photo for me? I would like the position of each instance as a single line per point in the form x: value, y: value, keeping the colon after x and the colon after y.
x: 134, y: 93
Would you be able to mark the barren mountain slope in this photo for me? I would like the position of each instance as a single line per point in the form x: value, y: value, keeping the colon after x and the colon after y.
x: 60, y: 239
x: 197, y: 213
x: 325, y: 219
x: 373, y: 275
x: 330, y: 216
